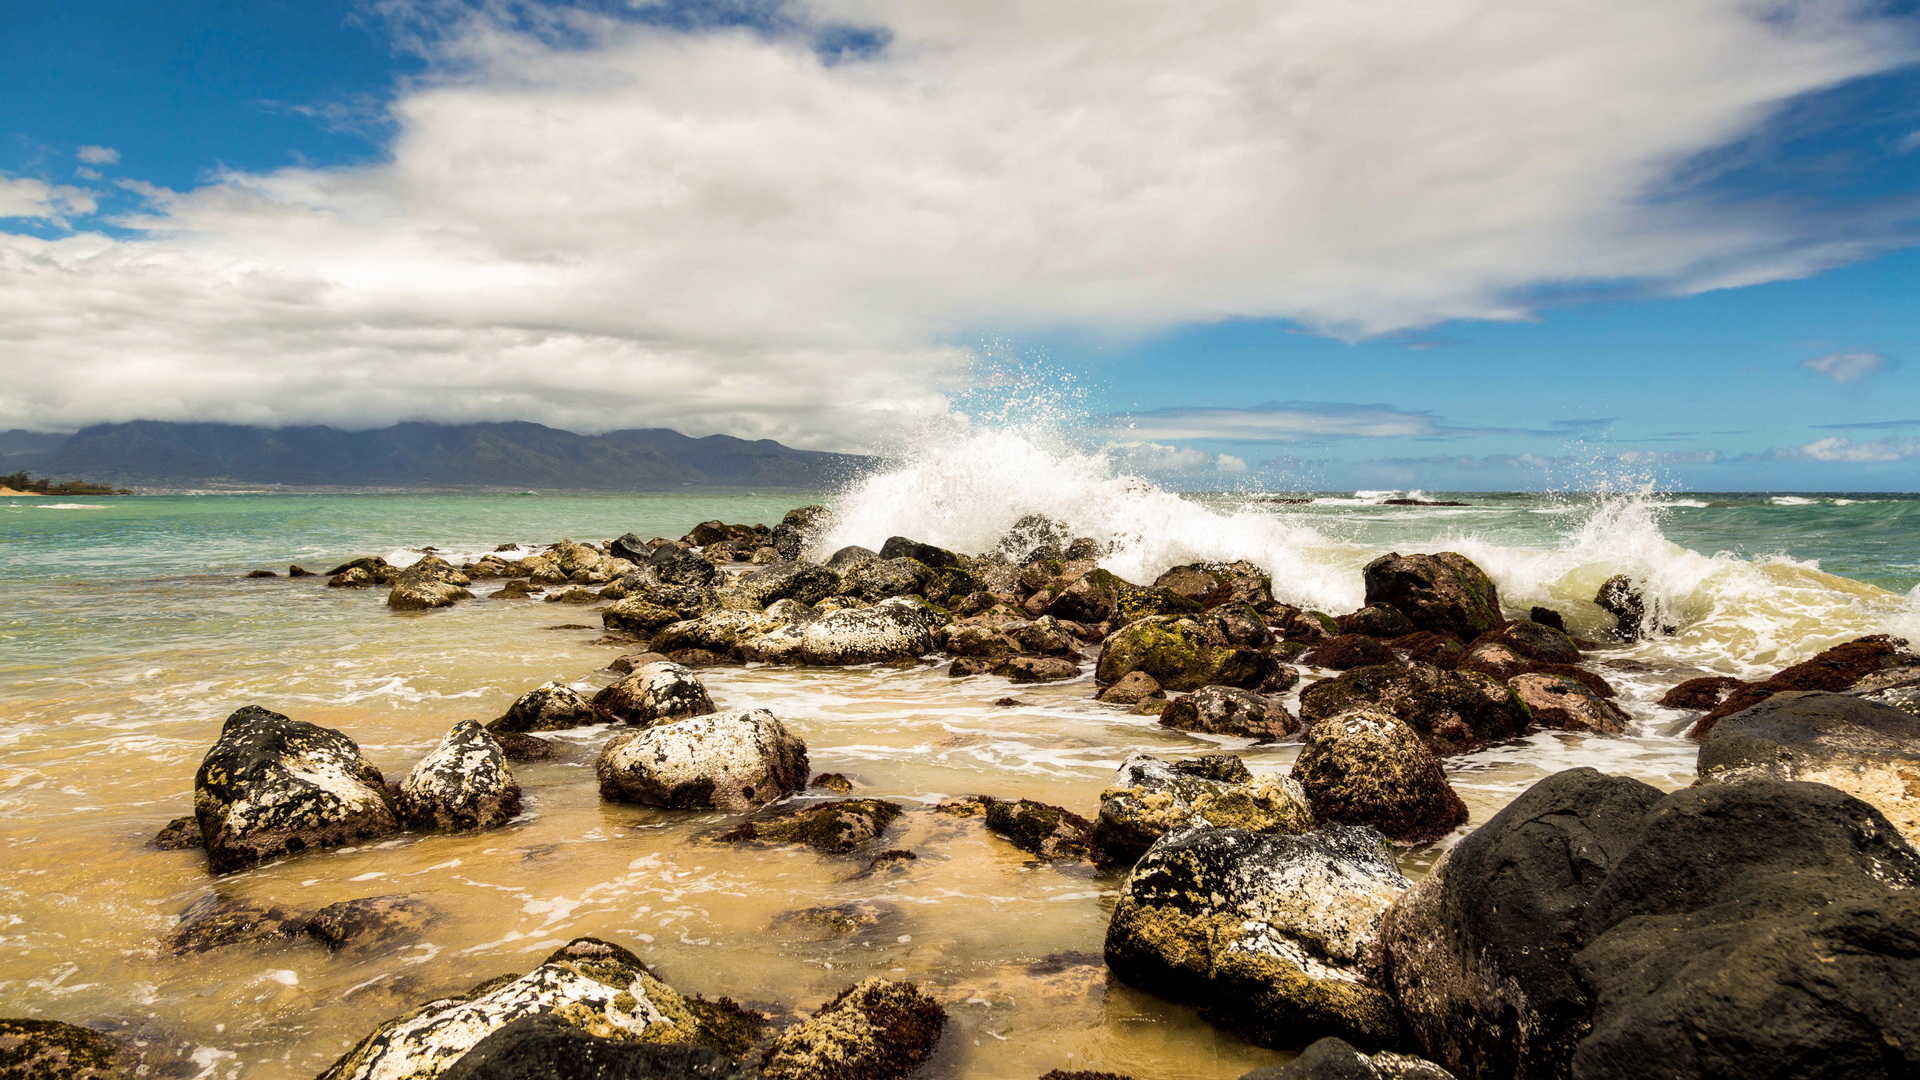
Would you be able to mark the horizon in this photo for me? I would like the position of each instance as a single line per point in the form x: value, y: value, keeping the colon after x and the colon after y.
x: 1318, y: 246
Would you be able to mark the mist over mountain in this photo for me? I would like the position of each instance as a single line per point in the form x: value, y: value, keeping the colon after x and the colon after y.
x: 423, y: 455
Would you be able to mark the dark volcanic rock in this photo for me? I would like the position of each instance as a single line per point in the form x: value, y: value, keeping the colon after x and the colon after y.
x: 543, y: 1047
x: 216, y: 922
x: 180, y: 834
x: 1368, y: 768
x: 675, y: 564
x: 1836, y: 669
x: 653, y: 694
x: 1555, y: 701
x: 879, y: 1029
x: 1224, y: 710
x: 725, y: 761
x: 1348, y: 651
x: 372, y: 923
x: 272, y: 786
x: 1150, y: 797
x: 522, y: 747
x: 1040, y: 829
x: 1337, y: 1059
x: 1446, y: 592
x: 52, y: 1050
x: 1273, y: 936
x: 1699, y: 694
x: 1868, y: 750
x: 1455, y: 711
x: 899, y: 547
x: 1426, y: 647
x: 551, y: 706
x: 1180, y: 653
x: 1378, y: 621
x: 462, y: 784
x: 1621, y: 597
x: 834, y: 828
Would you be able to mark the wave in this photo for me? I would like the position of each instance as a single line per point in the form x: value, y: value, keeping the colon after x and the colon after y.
x: 70, y: 506
x: 1732, y: 614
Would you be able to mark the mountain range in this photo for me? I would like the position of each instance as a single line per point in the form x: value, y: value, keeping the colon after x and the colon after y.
x: 516, y: 455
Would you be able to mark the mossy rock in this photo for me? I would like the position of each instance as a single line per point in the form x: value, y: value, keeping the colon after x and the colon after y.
x: 834, y: 828
x: 1180, y: 655
x: 52, y: 1050
x: 880, y: 1029
x: 1050, y: 832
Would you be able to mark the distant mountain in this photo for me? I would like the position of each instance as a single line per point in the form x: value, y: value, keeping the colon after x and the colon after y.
x: 511, y: 455
x: 26, y: 449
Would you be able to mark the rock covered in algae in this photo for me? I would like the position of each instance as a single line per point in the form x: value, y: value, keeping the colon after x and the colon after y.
x: 54, y: 1050
x: 834, y: 827
x: 878, y: 1029
x: 1041, y: 829
x: 722, y: 761
x: 653, y: 694
x: 1150, y: 797
x: 462, y: 784
x: 1446, y: 592
x: 1367, y: 768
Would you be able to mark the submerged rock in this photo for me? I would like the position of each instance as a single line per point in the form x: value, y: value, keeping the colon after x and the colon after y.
x: 272, y: 786
x: 1447, y: 593
x: 1368, y: 768
x: 372, y: 923
x: 595, y: 987
x: 1336, y: 1059
x: 1455, y: 711
x: 724, y: 761
x: 1224, y: 710
x: 216, y: 921
x: 462, y: 784
x: 654, y: 694
x: 879, y: 1029
x: 1836, y: 669
x: 1041, y: 829
x: 834, y: 828
x: 1868, y: 750
x: 1151, y: 797
x: 1273, y: 936
x: 53, y: 1050
x: 551, y: 706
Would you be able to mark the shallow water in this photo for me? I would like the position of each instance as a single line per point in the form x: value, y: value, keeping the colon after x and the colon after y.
x: 128, y: 636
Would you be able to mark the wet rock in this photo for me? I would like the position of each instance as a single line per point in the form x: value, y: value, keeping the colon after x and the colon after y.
x: 1050, y: 832
x: 514, y: 590
x: 592, y: 986
x: 1299, y: 624
x: 1082, y: 1074
x: 725, y: 761
x: 854, y: 918
x: 260, y: 574
x: 1621, y: 597
x: 834, y: 828
x: 372, y: 923
x: 630, y: 546
x: 1496, y: 661
x: 272, y: 786
x: 1443, y: 651
x: 1455, y: 711
x: 1548, y: 617
x: 521, y: 747
x: 1446, y: 592
x: 1239, y: 624
x: 1130, y: 689
x: 362, y: 573
x: 180, y: 834
x: 1366, y: 767
x: 714, y: 532
x: 696, y: 658
x: 891, y: 861
x: 296, y: 570
x: 1037, y: 669
x: 879, y: 1029
x: 429, y: 583
x: 969, y: 666
x: 1348, y: 651
x: 53, y: 1050
x: 1212, y: 584
x: 654, y: 694
x: 1535, y: 641
x: 1179, y: 653
x: 1224, y: 710
x: 543, y: 1047
x: 1008, y: 702
x: 216, y: 922
x: 963, y: 806
x: 1699, y: 695
x: 571, y: 562
x: 806, y: 582
x: 1868, y: 750
x: 1273, y: 936
x: 650, y: 608
x: 1834, y: 670
x: 551, y: 706
x: 1555, y: 701
x: 834, y: 782
x: 938, y: 558
x: 628, y: 663
x: 461, y: 785
x: 875, y: 579
x: 897, y: 629
x: 799, y: 529
x: 675, y: 564
x: 1337, y: 1059
x: 1150, y: 797
x: 576, y: 595
x: 724, y: 633
x: 1378, y: 621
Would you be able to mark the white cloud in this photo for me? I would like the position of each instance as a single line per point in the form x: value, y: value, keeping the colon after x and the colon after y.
x: 1846, y: 367
x: 98, y: 155
x: 719, y: 230
x: 25, y: 197
x: 1159, y: 458
x: 1846, y: 450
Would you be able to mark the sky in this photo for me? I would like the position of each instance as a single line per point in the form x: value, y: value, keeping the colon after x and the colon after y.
x: 1458, y: 245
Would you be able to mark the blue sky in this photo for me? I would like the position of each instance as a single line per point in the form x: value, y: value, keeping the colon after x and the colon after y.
x: 1339, y: 252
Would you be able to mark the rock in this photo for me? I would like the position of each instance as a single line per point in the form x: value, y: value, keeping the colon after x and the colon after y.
x: 180, y: 834
x: 799, y: 529
x: 1297, y: 624
x: 1426, y: 647
x: 362, y: 572
x: 1378, y: 621
x: 215, y: 922
x: 1481, y: 951
x: 576, y: 595
x: 1041, y: 829
x: 1239, y: 624
x: 1224, y: 710
x: 899, y: 547
x: 1150, y: 797
x: 835, y: 827
x: 429, y: 583
x: 257, y: 574
x: 593, y: 986
x: 1336, y: 1059
x: 551, y: 706
x: 1496, y: 661
x: 1621, y: 597
x: 879, y: 1029
x: 892, y: 861
x: 1548, y: 617
x: 1446, y: 592
x: 654, y: 694
x: 968, y: 666
x: 1535, y: 641
x: 649, y: 609
x: 296, y: 570
x: 1868, y: 750
x: 461, y: 785
x: 1037, y: 669
x: 632, y: 547
x: 1366, y: 767
x: 724, y: 633
x: 570, y: 562
x: 521, y: 747
x: 1455, y: 711
x: 1131, y: 689
x: 544, y: 1047
x: 1556, y: 701
x: 896, y: 629
x: 875, y: 579
x: 806, y: 582
x: 373, y: 923
x: 1699, y: 695
x: 1836, y: 669
x: 514, y: 590
x: 674, y: 564
x: 53, y: 1050
x: 725, y: 761
x: 628, y: 663
x: 271, y: 786
x: 1348, y: 651
x: 1212, y: 584
x: 1179, y: 653
x: 1273, y: 936
x: 834, y: 782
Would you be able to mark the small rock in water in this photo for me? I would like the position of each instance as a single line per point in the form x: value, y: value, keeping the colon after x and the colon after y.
x: 1150, y: 797
x: 551, y: 706
x: 1555, y: 701
x: 879, y: 1029
x: 296, y: 570
x: 834, y: 782
x: 261, y: 574
x: 1007, y: 702
x: 374, y: 922
x: 854, y: 918
x: 1366, y: 767
x: 1699, y: 695
x: 654, y: 694
x: 216, y: 922
x: 521, y: 747
x: 725, y: 761
x: 890, y: 861
x: 180, y: 834
x: 53, y: 1050
x: 1348, y: 651
x: 1052, y: 833
x: 462, y: 785
x: 1131, y: 689
x: 1224, y: 710
x: 1337, y: 1059
x: 833, y: 828
x: 514, y: 590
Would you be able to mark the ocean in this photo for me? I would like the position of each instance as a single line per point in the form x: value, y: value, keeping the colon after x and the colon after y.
x: 128, y: 632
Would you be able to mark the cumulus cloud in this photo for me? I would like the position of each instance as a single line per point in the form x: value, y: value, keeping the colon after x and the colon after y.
x: 597, y: 222
x: 1838, y: 449
x: 98, y: 155
x: 1846, y: 367
x: 25, y: 197
x: 1162, y: 459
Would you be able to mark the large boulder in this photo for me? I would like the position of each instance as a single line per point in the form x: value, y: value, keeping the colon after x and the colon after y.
x: 271, y: 786
x: 1367, y: 767
x: 1836, y: 669
x: 545, y: 1047
x: 677, y: 564
x: 1595, y: 926
x: 872, y: 579
x: 551, y: 706
x: 724, y: 761
x: 1455, y: 711
x: 54, y: 1050
x: 653, y: 694
x: 1180, y: 653
x: 463, y: 784
x: 880, y: 1029
x: 1556, y: 701
x: 1868, y: 750
x: 591, y: 985
x: 1211, y: 584
x: 1150, y: 797
x: 798, y: 530
x: 430, y: 583
x: 1446, y: 592
x: 1226, y: 710
x: 896, y: 629
x: 1273, y: 936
